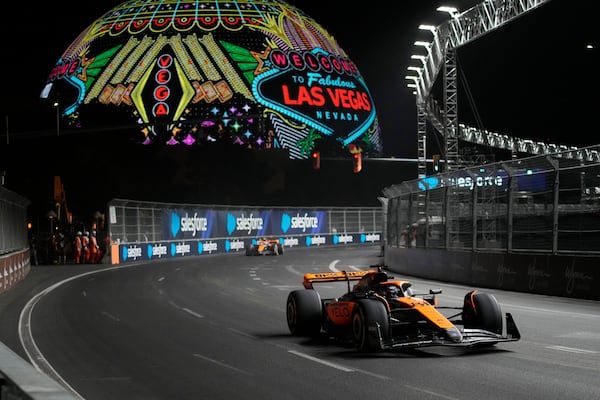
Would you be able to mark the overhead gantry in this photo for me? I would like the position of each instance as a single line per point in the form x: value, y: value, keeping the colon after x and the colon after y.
x: 460, y: 29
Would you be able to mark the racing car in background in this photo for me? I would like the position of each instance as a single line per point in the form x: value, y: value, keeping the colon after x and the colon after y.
x: 264, y: 246
x: 382, y: 313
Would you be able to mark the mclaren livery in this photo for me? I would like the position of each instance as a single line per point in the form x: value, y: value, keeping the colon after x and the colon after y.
x: 264, y: 247
x: 381, y: 313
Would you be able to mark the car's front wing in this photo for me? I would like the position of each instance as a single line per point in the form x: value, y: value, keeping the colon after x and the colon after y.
x: 470, y: 337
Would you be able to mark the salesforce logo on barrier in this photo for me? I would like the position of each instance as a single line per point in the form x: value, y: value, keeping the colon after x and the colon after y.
x: 207, y: 247
x: 300, y: 223
x: 369, y: 237
x: 290, y: 242
x: 234, y: 245
x: 180, y: 249
x: 230, y: 224
x: 186, y: 224
x: 342, y: 239
x: 244, y: 224
x: 286, y: 222
x: 175, y: 224
x: 156, y: 251
x: 315, y: 240
x: 131, y: 252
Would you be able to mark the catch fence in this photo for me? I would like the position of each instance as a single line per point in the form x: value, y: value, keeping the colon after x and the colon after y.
x: 149, y: 222
x: 546, y: 204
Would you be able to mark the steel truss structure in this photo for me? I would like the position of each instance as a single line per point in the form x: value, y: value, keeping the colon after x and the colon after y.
x: 461, y: 29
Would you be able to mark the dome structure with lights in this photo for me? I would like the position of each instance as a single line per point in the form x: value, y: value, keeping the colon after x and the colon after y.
x: 253, y: 73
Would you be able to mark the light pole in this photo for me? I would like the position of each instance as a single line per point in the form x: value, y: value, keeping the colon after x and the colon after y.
x: 52, y: 216
x: 57, y: 118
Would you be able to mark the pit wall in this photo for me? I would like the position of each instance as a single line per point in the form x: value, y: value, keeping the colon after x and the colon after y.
x: 554, y: 275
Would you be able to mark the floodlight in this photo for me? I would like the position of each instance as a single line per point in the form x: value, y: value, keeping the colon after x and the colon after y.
x: 450, y: 10
x: 429, y: 28
x: 427, y: 45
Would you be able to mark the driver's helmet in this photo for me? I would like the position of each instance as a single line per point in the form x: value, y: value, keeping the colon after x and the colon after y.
x: 393, y: 291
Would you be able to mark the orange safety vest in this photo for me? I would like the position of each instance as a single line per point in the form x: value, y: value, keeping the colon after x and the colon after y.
x: 93, y: 245
x: 86, y: 248
x: 78, y: 247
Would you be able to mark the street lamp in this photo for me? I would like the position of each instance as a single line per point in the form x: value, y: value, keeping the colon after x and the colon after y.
x: 57, y: 118
x: 52, y: 216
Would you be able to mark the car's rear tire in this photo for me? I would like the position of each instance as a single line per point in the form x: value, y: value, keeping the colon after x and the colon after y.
x: 482, y: 311
x: 279, y: 249
x: 370, y: 325
x: 304, y: 311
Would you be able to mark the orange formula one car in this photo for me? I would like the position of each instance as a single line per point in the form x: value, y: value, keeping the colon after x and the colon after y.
x: 264, y: 246
x: 381, y: 313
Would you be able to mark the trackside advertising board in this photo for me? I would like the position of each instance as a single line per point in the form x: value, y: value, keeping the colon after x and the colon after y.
x: 202, y: 223
x: 194, y: 232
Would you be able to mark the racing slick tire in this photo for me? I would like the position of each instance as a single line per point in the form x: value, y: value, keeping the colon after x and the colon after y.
x: 304, y: 312
x: 482, y: 311
x: 370, y: 325
x: 279, y: 248
x: 251, y: 250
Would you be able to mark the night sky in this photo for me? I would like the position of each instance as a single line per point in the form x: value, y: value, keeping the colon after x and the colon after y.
x: 532, y: 78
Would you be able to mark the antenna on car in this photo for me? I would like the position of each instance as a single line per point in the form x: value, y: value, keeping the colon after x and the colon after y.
x: 347, y: 279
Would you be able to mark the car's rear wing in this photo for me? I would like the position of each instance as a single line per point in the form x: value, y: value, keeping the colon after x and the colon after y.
x: 320, y: 277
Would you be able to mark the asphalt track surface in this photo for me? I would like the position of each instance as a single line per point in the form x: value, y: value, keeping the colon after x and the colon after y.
x: 214, y: 327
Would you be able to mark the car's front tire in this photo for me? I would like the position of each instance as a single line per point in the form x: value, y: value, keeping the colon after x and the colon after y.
x: 482, y: 311
x: 304, y: 312
x: 370, y: 325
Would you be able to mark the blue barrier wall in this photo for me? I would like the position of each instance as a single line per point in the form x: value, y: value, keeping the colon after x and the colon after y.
x: 148, y: 231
